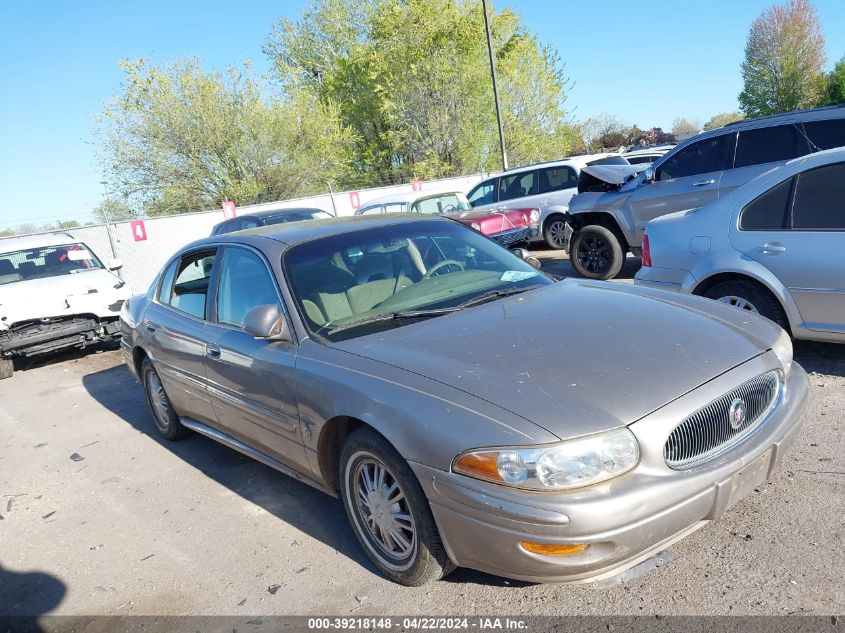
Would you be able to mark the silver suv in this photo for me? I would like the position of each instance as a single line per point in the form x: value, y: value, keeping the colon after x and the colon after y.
x: 607, y: 219
x: 546, y: 186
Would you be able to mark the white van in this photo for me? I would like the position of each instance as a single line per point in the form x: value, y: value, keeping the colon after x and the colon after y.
x: 55, y: 294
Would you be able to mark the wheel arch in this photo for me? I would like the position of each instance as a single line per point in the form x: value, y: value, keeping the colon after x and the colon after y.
x: 605, y: 219
x: 333, y: 436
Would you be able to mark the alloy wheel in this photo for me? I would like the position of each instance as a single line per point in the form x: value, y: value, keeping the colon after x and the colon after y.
x: 556, y: 233
x: 158, y: 400
x: 593, y: 254
x: 739, y: 302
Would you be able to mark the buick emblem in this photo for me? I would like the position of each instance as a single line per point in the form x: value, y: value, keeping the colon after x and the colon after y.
x: 736, y: 414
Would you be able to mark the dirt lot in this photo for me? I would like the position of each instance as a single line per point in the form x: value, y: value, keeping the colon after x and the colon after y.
x: 100, y: 516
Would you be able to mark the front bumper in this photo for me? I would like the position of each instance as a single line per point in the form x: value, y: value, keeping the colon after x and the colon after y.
x: 624, y: 520
x: 512, y: 237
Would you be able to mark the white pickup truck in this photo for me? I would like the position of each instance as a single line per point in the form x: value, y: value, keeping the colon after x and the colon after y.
x: 55, y: 294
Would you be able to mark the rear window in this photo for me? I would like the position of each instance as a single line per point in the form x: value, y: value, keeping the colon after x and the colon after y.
x: 770, y: 211
x: 769, y: 144
x: 557, y: 179
x: 820, y: 199
x: 825, y: 134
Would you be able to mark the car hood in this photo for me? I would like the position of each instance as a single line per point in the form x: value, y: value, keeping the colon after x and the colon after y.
x: 613, y: 174
x: 577, y: 357
x: 89, y: 292
x: 493, y: 222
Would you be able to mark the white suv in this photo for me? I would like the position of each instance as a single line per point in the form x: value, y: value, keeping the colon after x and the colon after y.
x: 545, y: 186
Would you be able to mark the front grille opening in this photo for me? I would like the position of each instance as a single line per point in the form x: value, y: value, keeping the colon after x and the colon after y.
x: 719, y: 425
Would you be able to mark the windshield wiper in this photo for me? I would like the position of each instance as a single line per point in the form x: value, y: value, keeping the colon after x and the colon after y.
x: 393, y: 316
x: 493, y: 295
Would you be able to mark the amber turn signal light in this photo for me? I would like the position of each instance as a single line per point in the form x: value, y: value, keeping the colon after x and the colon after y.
x: 553, y: 549
x: 480, y: 465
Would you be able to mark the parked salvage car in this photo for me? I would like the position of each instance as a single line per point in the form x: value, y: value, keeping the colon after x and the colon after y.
x: 512, y: 228
x: 55, y: 294
x: 775, y: 246
x: 546, y: 186
x: 419, y: 372
x: 266, y: 218
x: 608, y: 221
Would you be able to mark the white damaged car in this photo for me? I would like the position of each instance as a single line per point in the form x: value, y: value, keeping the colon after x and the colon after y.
x: 55, y: 294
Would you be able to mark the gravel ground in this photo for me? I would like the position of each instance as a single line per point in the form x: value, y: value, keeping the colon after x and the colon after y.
x: 99, y: 516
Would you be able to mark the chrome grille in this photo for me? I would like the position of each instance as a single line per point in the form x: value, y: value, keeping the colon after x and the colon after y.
x: 714, y: 428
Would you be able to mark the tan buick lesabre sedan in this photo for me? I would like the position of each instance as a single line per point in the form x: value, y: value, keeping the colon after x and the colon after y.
x: 466, y: 408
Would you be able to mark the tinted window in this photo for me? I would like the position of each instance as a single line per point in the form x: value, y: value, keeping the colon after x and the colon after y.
x: 770, y: 211
x: 228, y: 227
x: 640, y: 160
x: 517, y: 186
x: 249, y: 223
x: 484, y: 193
x: 610, y: 160
x: 190, y: 288
x: 557, y: 178
x: 296, y: 216
x: 825, y: 134
x: 820, y: 199
x: 245, y: 282
x: 769, y: 144
x: 701, y: 157
x: 167, y: 283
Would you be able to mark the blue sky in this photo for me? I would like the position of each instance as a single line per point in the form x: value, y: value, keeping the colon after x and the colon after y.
x: 646, y: 62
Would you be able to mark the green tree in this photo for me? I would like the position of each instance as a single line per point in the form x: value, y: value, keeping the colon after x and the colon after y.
x: 836, y: 83
x: 411, y: 78
x: 784, y: 60
x: 178, y: 139
x: 683, y: 127
x: 722, y: 119
x: 113, y: 210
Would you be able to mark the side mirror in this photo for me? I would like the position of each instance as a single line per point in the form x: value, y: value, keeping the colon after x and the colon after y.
x: 115, y: 264
x: 266, y: 322
x: 527, y: 257
x: 649, y: 174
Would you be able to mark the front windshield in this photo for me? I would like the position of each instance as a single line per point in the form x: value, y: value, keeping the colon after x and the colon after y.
x: 396, y: 271
x: 47, y: 261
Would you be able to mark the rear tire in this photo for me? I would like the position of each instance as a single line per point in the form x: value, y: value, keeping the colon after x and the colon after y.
x: 553, y: 233
x: 166, y: 421
x: 596, y: 253
x: 389, y: 512
x: 7, y: 368
x: 751, y: 297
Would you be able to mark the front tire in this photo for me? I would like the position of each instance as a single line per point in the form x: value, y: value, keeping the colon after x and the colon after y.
x: 751, y: 297
x: 596, y: 253
x: 389, y: 512
x: 166, y: 421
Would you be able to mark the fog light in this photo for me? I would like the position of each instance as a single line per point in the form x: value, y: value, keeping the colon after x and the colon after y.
x: 553, y: 549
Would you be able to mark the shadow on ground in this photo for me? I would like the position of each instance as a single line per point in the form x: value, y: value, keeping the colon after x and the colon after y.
x: 27, y: 364
x: 296, y: 503
x: 26, y: 595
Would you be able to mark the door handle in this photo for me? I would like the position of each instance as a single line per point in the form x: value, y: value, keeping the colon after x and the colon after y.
x: 704, y: 183
x: 772, y: 249
x: 212, y: 350
x: 151, y: 327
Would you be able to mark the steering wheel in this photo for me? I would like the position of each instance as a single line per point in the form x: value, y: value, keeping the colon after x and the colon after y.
x: 439, y: 265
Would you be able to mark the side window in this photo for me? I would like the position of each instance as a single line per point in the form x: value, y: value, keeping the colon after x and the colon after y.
x: 396, y: 207
x: 371, y: 211
x: 769, y: 144
x: 819, y: 203
x: 167, y: 283
x: 825, y: 134
x: 245, y: 282
x: 557, y: 178
x: 702, y: 157
x: 190, y: 288
x: 768, y: 212
x: 436, y: 204
x: 483, y: 193
x: 517, y: 185
x: 249, y: 223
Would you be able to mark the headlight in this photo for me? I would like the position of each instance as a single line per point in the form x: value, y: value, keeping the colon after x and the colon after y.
x: 571, y: 464
x: 476, y: 226
x: 534, y: 216
x: 783, y: 350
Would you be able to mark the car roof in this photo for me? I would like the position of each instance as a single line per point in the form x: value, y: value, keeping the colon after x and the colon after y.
x: 810, y: 114
x: 272, y: 213
x: 407, y: 197
x: 573, y: 161
x: 11, y: 244
x: 293, y: 233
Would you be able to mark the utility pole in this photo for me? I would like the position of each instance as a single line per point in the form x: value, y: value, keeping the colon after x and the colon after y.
x: 495, y: 86
x: 108, y: 223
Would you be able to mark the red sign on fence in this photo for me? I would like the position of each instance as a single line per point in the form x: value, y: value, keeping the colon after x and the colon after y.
x: 416, y: 184
x: 229, y: 209
x: 139, y: 231
x: 354, y: 199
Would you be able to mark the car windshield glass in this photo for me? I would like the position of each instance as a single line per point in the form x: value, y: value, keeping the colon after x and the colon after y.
x: 46, y: 261
x: 373, y: 279
x: 296, y: 216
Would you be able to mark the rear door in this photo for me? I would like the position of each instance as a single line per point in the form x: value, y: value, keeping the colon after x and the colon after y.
x: 760, y: 149
x: 557, y: 185
x: 252, y: 382
x: 174, y: 329
x: 687, y: 179
x: 518, y: 190
x: 797, y: 231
